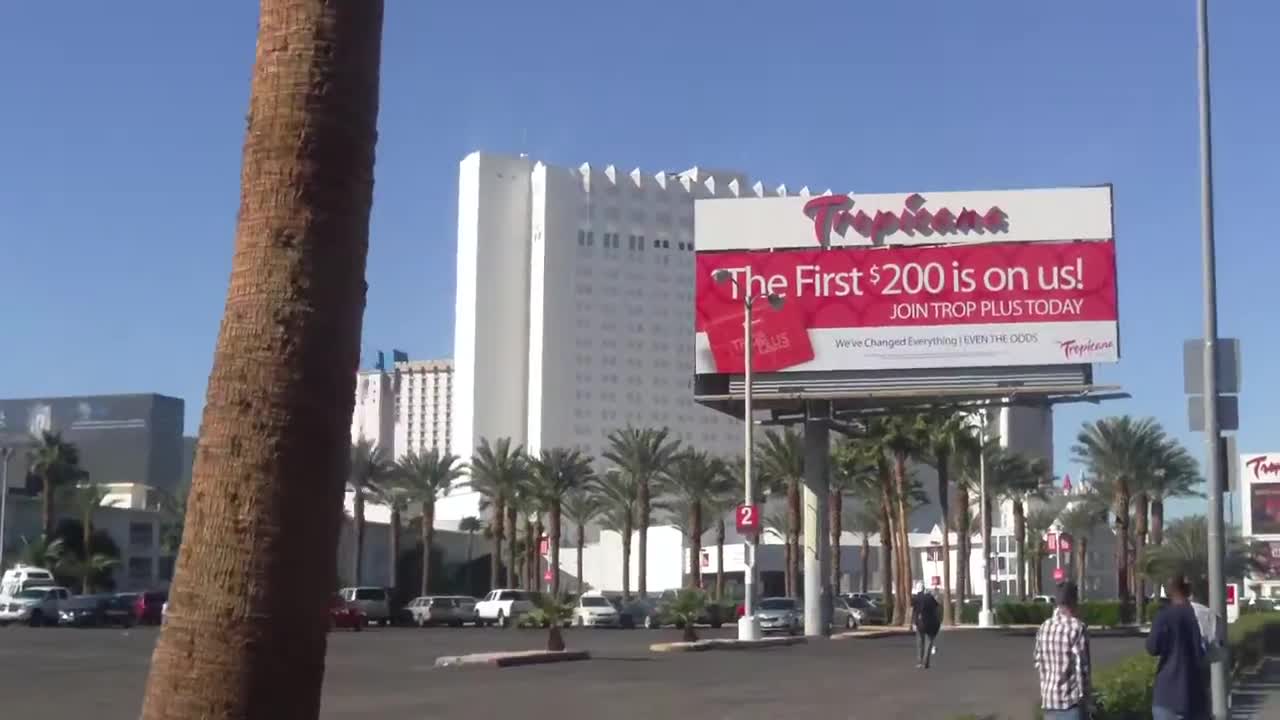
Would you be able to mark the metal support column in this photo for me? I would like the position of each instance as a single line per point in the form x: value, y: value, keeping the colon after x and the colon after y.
x: 817, y: 453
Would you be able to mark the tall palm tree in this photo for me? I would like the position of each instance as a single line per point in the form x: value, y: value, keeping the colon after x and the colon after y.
x: 1015, y: 477
x: 86, y: 498
x: 619, y: 494
x: 173, y: 513
x: 425, y: 478
x: 1185, y: 553
x: 903, y: 439
x: 370, y: 467
x: 496, y: 471
x: 470, y: 525
x: 782, y: 462
x: 966, y: 480
x: 696, y: 480
x: 56, y: 462
x: 728, y: 496
x: 1176, y: 474
x: 1039, y: 522
x: 948, y: 435
x: 1082, y: 515
x: 644, y: 454
x: 1118, y: 453
x: 556, y: 475
x: 863, y: 519
x: 277, y: 414
x: 853, y: 473
x: 581, y: 507
x: 391, y: 492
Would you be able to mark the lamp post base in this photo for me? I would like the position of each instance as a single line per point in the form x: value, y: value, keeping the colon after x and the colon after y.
x: 748, y: 628
x: 986, y: 618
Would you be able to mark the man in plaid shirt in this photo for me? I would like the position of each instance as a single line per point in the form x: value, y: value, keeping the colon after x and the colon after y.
x: 1062, y: 659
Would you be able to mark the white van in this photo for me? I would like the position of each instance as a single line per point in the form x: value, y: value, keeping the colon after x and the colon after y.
x: 24, y: 577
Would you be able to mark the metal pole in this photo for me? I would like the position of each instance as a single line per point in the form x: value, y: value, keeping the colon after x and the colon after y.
x: 5, y: 454
x: 984, y: 618
x: 748, y: 626
x: 1217, y: 583
x: 817, y: 451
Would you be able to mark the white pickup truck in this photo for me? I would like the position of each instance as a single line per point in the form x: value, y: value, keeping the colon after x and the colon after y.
x: 502, y: 607
x: 34, y: 606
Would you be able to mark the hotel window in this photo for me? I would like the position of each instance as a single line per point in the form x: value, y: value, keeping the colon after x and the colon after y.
x: 591, y: 240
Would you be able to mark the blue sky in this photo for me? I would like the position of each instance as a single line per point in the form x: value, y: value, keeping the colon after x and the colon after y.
x: 122, y: 126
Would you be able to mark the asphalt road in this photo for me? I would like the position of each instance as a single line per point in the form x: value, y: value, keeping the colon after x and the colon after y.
x: 388, y: 674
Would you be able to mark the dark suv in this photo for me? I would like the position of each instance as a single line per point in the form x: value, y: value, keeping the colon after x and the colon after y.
x: 147, y: 607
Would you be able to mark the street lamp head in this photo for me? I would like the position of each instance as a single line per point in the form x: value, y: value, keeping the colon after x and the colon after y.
x: 775, y: 301
x: 722, y: 276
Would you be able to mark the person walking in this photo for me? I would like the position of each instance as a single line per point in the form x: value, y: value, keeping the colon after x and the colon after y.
x: 927, y: 620
x: 1179, y: 691
x: 1062, y: 660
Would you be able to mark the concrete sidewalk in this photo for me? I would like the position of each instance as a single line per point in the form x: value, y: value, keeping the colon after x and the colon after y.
x: 1257, y: 697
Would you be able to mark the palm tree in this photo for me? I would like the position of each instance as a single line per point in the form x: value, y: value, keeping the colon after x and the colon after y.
x: 470, y: 525
x: 967, y: 479
x: 1014, y: 477
x: 1185, y: 554
x: 56, y: 463
x: 619, y: 495
x: 696, y: 480
x: 782, y: 462
x: 1176, y: 474
x: 948, y: 435
x: 728, y: 497
x: 555, y: 613
x: 426, y: 477
x: 1039, y: 522
x: 370, y: 466
x: 581, y: 507
x: 391, y: 492
x: 853, y: 472
x: 686, y: 608
x: 863, y: 519
x: 644, y: 454
x: 1118, y: 453
x: 173, y: 514
x: 557, y: 474
x: 86, y: 498
x: 1083, y: 514
x: 277, y: 412
x: 903, y: 439
x: 496, y: 471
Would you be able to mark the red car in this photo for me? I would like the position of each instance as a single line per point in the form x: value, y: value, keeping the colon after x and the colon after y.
x: 345, y: 615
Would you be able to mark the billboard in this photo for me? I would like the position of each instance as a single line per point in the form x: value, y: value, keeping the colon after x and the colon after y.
x: 884, y: 282
x: 1266, y: 558
x: 1260, y: 496
x: 121, y: 438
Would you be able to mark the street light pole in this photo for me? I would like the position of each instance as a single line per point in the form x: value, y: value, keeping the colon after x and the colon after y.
x: 5, y: 454
x: 748, y: 625
x: 1217, y: 583
x: 984, y: 618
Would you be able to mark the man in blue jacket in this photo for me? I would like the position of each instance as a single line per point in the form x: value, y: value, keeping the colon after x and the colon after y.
x: 1179, y: 692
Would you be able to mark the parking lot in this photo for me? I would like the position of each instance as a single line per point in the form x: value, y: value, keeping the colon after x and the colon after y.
x: 388, y: 673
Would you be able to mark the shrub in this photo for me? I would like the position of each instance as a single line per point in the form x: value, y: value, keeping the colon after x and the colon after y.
x: 1101, y: 614
x: 1123, y: 691
x: 1014, y: 613
x: 969, y: 613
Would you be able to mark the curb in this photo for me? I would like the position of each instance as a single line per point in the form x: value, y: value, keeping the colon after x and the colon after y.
x: 725, y: 644
x: 870, y: 634
x: 512, y: 659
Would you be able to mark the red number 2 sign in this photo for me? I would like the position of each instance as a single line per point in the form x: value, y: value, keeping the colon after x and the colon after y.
x: 748, y: 519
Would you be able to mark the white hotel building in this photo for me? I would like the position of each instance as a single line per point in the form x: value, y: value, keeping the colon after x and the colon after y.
x: 575, y: 306
x: 405, y: 409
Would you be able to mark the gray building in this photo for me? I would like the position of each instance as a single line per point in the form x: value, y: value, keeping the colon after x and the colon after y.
x: 121, y: 438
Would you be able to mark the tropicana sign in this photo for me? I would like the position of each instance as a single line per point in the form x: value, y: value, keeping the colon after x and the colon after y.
x: 834, y: 213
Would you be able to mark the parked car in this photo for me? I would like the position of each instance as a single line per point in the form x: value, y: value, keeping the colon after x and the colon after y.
x: 148, y: 607
x: 867, y: 611
x: 780, y: 614
x: 22, y: 577
x: 97, y: 611
x: 502, y: 607
x: 641, y: 612
x: 843, y: 615
x: 346, y: 615
x: 35, y: 606
x: 595, y: 610
x: 442, y: 610
x: 374, y: 602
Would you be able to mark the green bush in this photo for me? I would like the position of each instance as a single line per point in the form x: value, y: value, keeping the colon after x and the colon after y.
x: 1018, y: 613
x: 1094, y: 614
x: 1101, y: 614
x: 1123, y: 691
x: 969, y: 613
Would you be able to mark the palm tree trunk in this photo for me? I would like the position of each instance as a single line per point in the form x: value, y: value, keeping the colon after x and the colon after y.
x: 428, y: 539
x: 1157, y: 521
x: 1122, y: 548
x: 886, y: 565
x: 553, y: 541
x: 495, y: 560
x: 944, y: 504
x: 626, y: 560
x: 866, y: 562
x: 1141, y: 509
x: 837, y: 529
x: 513, y: 522
x: 582, y: 543
x: 393, y: 567
x: 47, y: 509
x: 644, y: 510
x: 695, y: 544
x: 1082, y: 570
x: 357, y: 524
x: 530, y: 547
x: 794, y: 526
x: 276, y: 430
x: 788, y: 580
x: 720, y: 535
x: 904, y: 540
x: 86, y: 528
x: 1020, y: 542
x: 986, y: 565
x: 535, y: 557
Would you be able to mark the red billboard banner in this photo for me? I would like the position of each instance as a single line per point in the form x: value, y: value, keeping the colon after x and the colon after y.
x: 1264, y: 508
x: 901, y: 307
